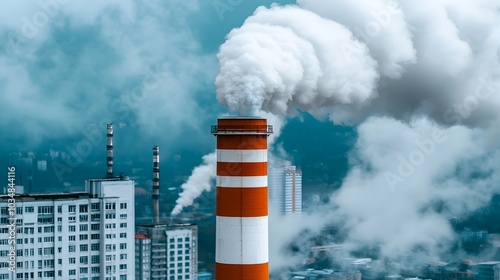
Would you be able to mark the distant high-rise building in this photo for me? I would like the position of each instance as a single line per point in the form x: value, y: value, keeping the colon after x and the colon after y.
x: 64, y: 236
x: 285, y: 190
x: 166, y: 251
x: 488, y: 270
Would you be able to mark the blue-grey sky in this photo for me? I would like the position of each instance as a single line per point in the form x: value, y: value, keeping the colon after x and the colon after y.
x: 415, y: 83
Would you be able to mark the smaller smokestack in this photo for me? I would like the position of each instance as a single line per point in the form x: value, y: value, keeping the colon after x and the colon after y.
x: 156, y: 184
x: 110, y: 151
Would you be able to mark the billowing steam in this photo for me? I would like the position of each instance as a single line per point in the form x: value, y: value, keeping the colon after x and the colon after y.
x: 350, y: 59
x: 424, y: 69
x: 199, y: 181
x: 278, y: 63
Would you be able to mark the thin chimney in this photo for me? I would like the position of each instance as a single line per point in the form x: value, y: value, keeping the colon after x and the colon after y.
x: 110, y: 151
x: 156, y: 184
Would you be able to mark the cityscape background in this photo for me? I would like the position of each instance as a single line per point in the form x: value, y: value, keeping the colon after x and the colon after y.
x: 388, y: 110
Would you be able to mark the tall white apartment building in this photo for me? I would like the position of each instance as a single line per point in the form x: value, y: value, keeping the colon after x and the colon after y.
x: 166, y: 252
x: 72, y: 236
x: 285, y: 190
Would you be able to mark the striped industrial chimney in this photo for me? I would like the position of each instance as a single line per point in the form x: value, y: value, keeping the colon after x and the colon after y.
x: 242, y: 203
x: 156, y: 184
x: 110, y: 151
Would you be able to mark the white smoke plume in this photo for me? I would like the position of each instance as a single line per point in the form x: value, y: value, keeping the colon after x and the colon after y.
x: 278, y: 63
x: 434, y: 171
x: 428, y: 66
x: 350, y: 59
x: 199, y: 181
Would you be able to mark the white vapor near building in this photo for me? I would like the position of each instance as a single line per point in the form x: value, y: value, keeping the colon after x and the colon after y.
x: 199, y: 181
x: 402, y: 71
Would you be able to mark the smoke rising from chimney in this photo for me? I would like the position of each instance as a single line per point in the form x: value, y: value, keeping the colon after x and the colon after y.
x: 433, y: 65
x: 347, y: 60
x: 199, y: 181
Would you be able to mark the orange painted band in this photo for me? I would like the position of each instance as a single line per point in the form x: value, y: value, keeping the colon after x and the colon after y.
x: 241, y: 168
x: 241, y: 271
x: 242, y: 202
x: 242, y: 142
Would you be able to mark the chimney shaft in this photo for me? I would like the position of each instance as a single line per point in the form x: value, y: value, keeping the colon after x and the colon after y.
x: 241, y: 199
x: 156, y: 184
x: 109, y: 147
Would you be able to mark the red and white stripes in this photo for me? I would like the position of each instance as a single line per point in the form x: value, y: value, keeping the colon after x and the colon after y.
x: 242, y: 201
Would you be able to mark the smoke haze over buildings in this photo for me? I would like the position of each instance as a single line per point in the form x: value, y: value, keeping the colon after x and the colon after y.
x: 422, y: 82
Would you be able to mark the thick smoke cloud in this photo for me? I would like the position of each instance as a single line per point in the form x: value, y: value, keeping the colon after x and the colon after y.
x: 434, y: 167
x: 279, y: 64
x: 428, y: 72
x: 350, y: 59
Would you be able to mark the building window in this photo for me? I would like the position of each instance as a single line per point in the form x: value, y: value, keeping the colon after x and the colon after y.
x: 123, y: 246
x: 94, y: 247
x: 123, y: 216
x: 94, y: 226
x: 72, y: 260
x: 123, y: 205
x: 71, y: 228
x: 84, y: 227
x: 59, y: 209
x: 45, y: 209
x: 72, y: 238
x: 123, y: 235
x: 84, y: 208
x: 84, y: 218
x: 48, y: 229
x: 72, y: 208
x: 111, y: 216
x: 29, y: 209
x: 84, y: 248
x: 71, y: 248
x: 94, y: 236
x: 95, y: 259
x: 72, y: 272
x: 110, y: 206
x: 95, y: 217
x: 84, y: 260
x: 84, y: 237
x: 123, y: 256
x: 123, y: 225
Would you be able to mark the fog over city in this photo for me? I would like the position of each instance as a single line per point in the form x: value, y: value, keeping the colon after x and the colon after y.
x: 390, y: 109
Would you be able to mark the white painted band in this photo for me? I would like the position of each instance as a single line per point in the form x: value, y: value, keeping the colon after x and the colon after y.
x: 242, y: 240
x: 241, y: 155
x: 241, y: 181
